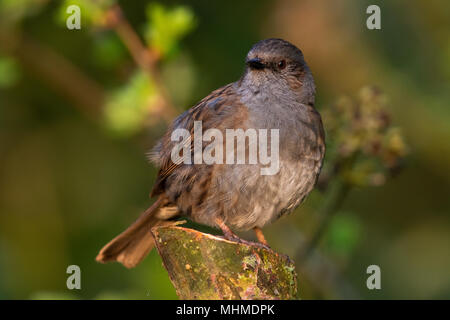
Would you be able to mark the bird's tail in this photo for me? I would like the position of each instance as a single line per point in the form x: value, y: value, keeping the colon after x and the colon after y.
x: 132, y: 245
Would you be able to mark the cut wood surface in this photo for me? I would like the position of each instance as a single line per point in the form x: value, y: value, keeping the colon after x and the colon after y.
x: 203, y: 266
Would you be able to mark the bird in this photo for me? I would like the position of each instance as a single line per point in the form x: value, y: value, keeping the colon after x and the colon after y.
x: 275, y: 91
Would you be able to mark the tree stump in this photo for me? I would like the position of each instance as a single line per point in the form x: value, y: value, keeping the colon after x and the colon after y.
x: 203, y: 266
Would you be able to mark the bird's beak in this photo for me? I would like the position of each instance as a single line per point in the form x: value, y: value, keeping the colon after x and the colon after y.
x: 256, y: 63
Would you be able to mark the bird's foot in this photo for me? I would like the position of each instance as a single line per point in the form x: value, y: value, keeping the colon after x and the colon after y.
x: 231, y: 236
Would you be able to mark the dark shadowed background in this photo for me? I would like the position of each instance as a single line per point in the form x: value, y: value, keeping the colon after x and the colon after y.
x: 78, y: 114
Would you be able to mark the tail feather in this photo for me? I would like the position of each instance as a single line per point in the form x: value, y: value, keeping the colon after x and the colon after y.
x: 132, y: 245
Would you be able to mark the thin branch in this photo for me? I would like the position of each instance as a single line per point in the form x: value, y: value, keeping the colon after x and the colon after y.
x: 323, y: 273
x: 147, y: 59
x: 333, y: 204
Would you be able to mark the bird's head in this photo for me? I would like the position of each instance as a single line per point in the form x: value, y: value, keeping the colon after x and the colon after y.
x: 278, y: 64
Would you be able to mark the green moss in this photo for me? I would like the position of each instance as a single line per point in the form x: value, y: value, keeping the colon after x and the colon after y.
x: 202, y: 266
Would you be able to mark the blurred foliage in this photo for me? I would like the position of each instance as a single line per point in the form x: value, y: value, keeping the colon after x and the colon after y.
x: 129, y: 106
x: 42, y: 295
x: 365, y: 148
x: 13, y: 11
x: 167, y: 27
x: 67, y: 185
x: 9, y: 72
x: 343, y: 234
x: 108, y: 51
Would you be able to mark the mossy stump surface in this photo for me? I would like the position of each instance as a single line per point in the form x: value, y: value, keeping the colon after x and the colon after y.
x: 203, y: 266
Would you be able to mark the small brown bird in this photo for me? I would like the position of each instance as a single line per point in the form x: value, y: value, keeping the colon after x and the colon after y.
x: 276, y: 91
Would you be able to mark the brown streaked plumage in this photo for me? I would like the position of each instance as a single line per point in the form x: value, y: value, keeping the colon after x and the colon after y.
x: 276, y: 92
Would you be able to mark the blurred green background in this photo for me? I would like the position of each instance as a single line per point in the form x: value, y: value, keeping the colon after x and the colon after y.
x: 78, y: 114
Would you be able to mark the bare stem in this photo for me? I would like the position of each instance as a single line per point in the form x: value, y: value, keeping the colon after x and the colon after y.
x: 338, y: 193
x: 333, y: 206
x: 146, y: 58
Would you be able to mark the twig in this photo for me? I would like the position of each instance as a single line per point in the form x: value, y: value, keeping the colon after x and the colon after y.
x: 333, y: 206
x: 323, y: 274
x: 145, y: 58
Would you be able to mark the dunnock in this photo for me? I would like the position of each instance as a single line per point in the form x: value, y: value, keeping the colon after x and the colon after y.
x: 276, y: 91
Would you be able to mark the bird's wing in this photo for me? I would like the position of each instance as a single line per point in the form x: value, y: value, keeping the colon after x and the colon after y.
x: 221, y: 109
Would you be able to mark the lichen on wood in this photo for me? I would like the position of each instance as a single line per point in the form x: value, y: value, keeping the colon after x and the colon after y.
x: 203, y: 266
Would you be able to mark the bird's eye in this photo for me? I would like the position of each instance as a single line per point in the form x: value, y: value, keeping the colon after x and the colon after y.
x: 282, y: 64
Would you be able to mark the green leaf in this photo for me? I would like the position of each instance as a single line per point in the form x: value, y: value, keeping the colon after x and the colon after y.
x: 127, y: 108
x: 166, y: 27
